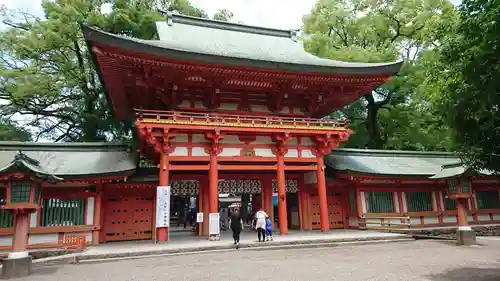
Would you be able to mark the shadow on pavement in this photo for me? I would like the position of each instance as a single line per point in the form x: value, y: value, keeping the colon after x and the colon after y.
x: 468, y: 274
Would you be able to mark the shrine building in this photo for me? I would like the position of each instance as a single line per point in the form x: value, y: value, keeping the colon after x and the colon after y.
x: 224, y: 108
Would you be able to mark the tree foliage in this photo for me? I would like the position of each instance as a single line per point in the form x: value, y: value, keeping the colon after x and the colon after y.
x: 383, y: 31
x: 462, y: 81
x: 46, y: 73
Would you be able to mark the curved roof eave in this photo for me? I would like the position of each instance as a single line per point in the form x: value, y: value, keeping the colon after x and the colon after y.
x: 153, y: 48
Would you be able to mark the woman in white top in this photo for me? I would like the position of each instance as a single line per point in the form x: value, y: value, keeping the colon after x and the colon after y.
x: 260, y: 224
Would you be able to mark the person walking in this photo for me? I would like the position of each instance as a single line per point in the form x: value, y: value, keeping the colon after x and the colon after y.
x: 236, y: 225
x: 269, y: 229
x: 260, y: 224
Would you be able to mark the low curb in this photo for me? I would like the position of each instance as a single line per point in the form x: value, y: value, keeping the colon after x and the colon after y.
x: 268, y: 246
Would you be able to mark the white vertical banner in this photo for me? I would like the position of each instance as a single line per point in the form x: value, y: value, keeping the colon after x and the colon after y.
x: 163, y: 206
x: 214, y: 226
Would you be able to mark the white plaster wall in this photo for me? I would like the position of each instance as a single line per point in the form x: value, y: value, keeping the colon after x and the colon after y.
x: 496, y: 217
x: 405, y: 207
x: 180, y: 138
x: 450, y: 219
x: 431, y: 220
x: 285, y: 109
x: 259, y: 108
x: 228, y: 106
x: 263, y: 140
x: 185, y: 103
x: 34, y: 219
x: 292, y: 153
x: 264, y: 152
x: 310, y: 178
x: 396, y: 202
x: 180, y: 151
x: 307, y: 141
x: 483, y: 217
x: 199, y: 138
x: 43, y: 238
x: 307, y: 153
x: 373, y: 222
x: 88, y: 237
x: 5, y: 240
x: 230, y: 139
x: 199, y: 151
x: 89, y: 220
x: 353, y: 221
x: 199, y: 104
x: 363, y: 202
x: 434, y: 202
x: 441, y: 198
x: 230, y: 151
x: 414, y: 220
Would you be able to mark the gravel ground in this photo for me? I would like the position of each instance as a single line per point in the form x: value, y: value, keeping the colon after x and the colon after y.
x: 420, y: 260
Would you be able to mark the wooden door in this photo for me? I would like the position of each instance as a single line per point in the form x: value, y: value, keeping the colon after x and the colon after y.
x: 335, y: 214
x: 128, y: 214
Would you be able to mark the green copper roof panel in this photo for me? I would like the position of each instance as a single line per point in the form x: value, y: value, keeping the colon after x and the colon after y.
x: 391, y: 163
x: 72, y: 159
x: 208, y: 41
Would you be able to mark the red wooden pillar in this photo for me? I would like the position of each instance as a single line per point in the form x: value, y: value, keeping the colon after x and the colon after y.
x: 267, y: 187
x: 20, y: 238
x: 282, y: 217
x: 200, y: 202
x: 359, y: 207
x: 97, y: 216
x: 213, y: 185
x: 463, y: 223
x: 322, y: 195
x: 206, y: 207
x: 162, y: 233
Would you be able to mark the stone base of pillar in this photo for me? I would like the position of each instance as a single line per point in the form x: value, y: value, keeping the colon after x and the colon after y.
x: 466, y: 237
x: 17, y: 265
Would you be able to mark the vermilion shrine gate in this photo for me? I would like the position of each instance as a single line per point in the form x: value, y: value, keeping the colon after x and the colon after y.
x: 231, y: 101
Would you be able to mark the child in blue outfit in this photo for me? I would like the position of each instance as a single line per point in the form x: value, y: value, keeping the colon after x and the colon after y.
x: 269, y: 229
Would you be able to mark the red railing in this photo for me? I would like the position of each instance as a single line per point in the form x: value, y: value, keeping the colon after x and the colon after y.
x: 179, y: 117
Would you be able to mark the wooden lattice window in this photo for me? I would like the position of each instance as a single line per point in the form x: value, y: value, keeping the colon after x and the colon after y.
x: 450, y: 204
x: 487, y: 199
x: 6, y: 217
x: 352, y: 201
x: 419, y: 201
x: 380, y: 202
x: 20, y: 191
x: 63, y: 212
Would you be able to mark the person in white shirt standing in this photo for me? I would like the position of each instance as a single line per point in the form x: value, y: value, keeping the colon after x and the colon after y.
x: 260, y: 224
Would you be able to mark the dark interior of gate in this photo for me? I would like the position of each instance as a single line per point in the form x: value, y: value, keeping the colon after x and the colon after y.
x: 130, y: 209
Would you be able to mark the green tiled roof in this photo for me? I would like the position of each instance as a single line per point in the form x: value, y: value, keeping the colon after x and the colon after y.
x: 69, y: 160
x: 208, y: 41
x: 22, y: 162
x: 390, y: 163
x: 457, y: 169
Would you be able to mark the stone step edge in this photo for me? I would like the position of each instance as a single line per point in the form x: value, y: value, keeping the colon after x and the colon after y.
x: 260, y: 248
x: 74, y: 258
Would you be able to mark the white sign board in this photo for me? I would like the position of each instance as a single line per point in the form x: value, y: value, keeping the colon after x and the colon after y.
x: 214, y: 226
x: 199, y: 217
x: 163, y: 206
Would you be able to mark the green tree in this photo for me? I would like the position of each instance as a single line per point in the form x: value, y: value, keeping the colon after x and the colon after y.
x: 46, y: 72
x: 379, y: 31
x: 12, y: 132
x: 463, y: 82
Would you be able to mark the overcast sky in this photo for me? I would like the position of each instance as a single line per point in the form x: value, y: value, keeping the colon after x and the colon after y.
x: 253, y: 12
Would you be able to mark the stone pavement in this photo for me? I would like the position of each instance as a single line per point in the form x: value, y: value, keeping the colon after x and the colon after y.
x: 423, y: 260
x: 185, y: 242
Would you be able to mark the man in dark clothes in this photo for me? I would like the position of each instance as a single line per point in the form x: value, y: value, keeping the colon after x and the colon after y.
x: 236, y: 224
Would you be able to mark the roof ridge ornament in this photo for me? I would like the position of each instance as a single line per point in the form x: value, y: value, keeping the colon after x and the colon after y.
x: 176, y: 17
